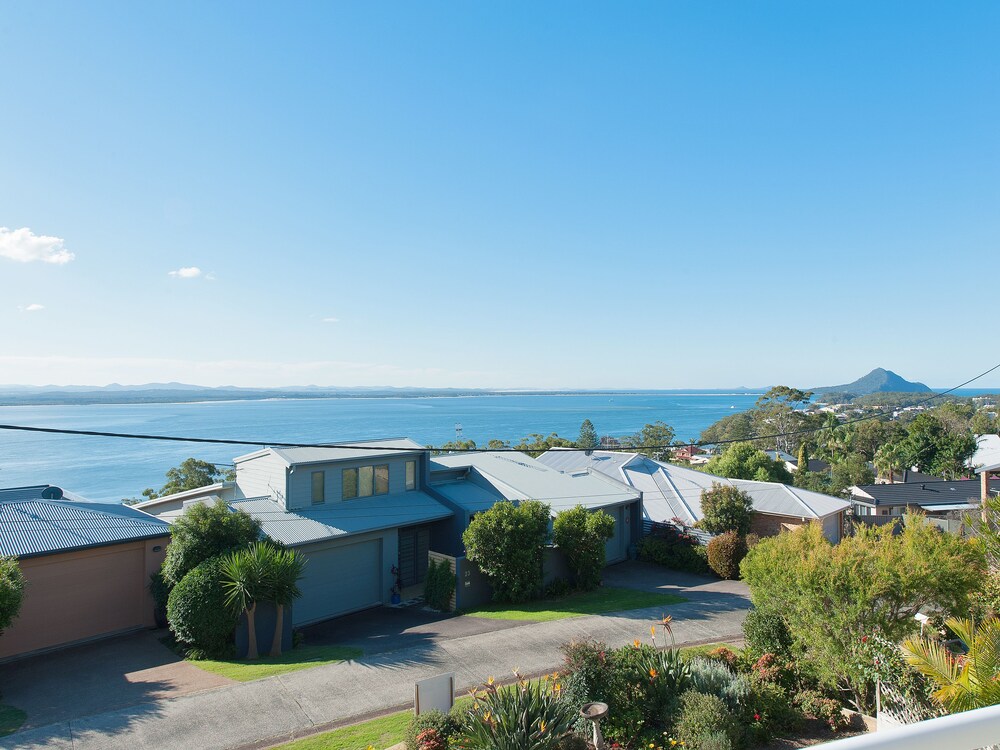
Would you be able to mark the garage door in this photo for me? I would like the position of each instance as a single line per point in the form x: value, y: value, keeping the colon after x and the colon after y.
x: 77, y: 596
x: 338, y: 580
x: 614, y: 550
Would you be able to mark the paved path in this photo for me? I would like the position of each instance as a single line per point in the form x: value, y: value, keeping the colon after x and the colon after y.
x: 290, y: 705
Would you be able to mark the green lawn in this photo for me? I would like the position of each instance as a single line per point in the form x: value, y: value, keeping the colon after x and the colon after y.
x: 11, y: 719
x: 596, y: 602
x: 380, y: 733
x: 690, y: 652
x: 302, y: 657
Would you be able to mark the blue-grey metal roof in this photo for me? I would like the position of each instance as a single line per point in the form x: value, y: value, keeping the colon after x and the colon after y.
x: 924, y: 493
x: 361, y: 449
x: 343, y: 518
x: 34, y: 526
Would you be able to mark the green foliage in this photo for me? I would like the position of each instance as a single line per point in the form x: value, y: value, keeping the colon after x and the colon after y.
x: 506, y: 543
x: 455, y: 446
x: 206, y: 531
x: 725, y: 553
x: 446, y: 725
x: 768, y: 712
x: 744, y: 461
x: 535, y: 444
x: 715, y: 678
x: 934, y: 449
x: 829, y: 595
x: 816, y: 705
x: 705, y: 721
x: 588, y: 436
x: 737, y: 426
x: 852, y: 470
x: 526, y: 716
x: 766, y: 632
x: 963, y: 682
x: 198, y: 614
x: 190, y: 475
x: 582, y: 535
x: 724, y: 508
x: 676, y: 551
x: 439, y: 585
x: 653, y: 440
x: 11, y: 591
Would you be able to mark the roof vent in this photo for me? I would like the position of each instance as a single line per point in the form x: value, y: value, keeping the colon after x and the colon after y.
x: 52, y: 493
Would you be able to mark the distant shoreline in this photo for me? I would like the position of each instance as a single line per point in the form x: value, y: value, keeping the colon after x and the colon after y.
x: 210, y: 397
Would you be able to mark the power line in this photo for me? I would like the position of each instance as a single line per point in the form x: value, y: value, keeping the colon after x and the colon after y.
x: 397, y: 449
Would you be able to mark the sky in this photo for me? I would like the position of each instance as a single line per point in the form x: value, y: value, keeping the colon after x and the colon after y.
x: 499, y: 195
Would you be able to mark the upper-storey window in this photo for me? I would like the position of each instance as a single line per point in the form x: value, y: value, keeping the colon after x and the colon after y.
x: 365, y: 481
x: 411, y: 475
x: 318, y: 487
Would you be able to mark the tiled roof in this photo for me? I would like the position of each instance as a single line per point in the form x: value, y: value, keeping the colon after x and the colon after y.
x: 35, y: 526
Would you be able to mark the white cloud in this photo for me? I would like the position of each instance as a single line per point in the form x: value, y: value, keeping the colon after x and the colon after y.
x: 331, y: 320
x: 33, y: 307
x: 187, y: 272
x: 25, y: 246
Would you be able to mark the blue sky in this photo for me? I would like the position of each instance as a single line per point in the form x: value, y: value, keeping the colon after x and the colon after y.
x: 657, y: 195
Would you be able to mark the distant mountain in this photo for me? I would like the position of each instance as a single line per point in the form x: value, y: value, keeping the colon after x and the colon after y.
x: 878, y: 380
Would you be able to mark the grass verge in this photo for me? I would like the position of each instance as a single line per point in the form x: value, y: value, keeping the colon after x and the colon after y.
x: 380, y: 733
x: 11, y: 719
x: 303, y: 657
x: 690, y: 652
x: 596, y: 602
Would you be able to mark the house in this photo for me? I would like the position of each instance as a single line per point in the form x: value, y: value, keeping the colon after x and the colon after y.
x: 472, y: 482
x: 934, y: 497
x: 86, y: 567
x: 987, y: 452
x: 673, y: 492
x: 686, y: 453
x: 354, y: 511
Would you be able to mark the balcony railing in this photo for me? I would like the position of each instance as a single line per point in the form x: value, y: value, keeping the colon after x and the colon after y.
x: 970, y: 730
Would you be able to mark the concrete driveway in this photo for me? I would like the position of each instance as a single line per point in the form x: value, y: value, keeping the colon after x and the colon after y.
x: 97, y: 677
x: 399, y: 649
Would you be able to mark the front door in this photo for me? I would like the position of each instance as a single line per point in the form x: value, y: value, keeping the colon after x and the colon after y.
x: 414, y: 544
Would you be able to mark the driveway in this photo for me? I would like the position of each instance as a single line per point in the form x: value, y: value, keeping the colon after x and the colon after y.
x: 399, y: 649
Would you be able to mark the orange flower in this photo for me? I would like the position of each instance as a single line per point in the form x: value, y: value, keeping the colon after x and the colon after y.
x: 636, y: 643
x: 542, y: 726
x: 653, y: 673
x: 652, y: 630
x: 489, y: 680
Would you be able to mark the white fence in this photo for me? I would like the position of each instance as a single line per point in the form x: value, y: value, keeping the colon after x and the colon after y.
x: 970, y: 730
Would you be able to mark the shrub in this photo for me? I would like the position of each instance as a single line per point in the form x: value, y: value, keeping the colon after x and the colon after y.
x: 777, y: 670
x: 818, y: 706
x: 766, y: 633
x: 768, y: 712
x: 715, y: 678
x: 705, y: 721
x: 582, y: 536
x: 526, y: 716
x: 506, y: 543
x: 206, y: 531
x: 725, y: 553
x: 160, y: 592
x: 725, y: 655
x: 11, y: 591
x: 674, y: 552
x: 439, y: 585
x: 444, y: 726
x: 725, y: 507
x: 558, y: 588
x: 197, y: 612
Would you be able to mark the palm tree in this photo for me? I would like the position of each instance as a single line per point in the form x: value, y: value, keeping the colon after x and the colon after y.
x: 246, y: 579
x: 286, y: 569
x: 964, y: 682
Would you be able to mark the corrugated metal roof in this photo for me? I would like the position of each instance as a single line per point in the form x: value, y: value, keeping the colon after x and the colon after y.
x: 987, y: 455
x: 468, y: 495
x: 926, y: 493
x: 340, y: 452
x: 41, y: 527
x: 343, y: 518
x: 517, y: 476
x: 670, y: 491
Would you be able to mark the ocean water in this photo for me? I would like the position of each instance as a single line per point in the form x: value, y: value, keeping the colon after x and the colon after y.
x: 109, y: 469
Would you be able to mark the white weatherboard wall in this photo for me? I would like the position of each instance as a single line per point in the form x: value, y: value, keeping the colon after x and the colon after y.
x: 345, y: 575
x: 263, y: 475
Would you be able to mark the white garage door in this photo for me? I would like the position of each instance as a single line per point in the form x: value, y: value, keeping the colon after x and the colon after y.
x: 339, y: 579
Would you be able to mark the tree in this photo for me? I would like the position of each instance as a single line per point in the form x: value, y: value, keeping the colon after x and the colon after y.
x: 872, y: 581
x: 582, y: 537
x: 459, y: 446
x: 498, y: 445
x: 850, y: 472
x: 889, y: 458
x: 206, y: 531
x: 11, y: 591
x: 725, y: 508
x: 246, y: 581
x: 588, y: 436
x: 506, y: 543
x: 535, y: 445
x: 964, y: 682
x: 737, y: 426
x: 190, y: 475
x: 744, y: 461
x: 936, y: 450
x: 198, y: 614
x: 286, y: 571
x: 653, y: 440
x: 775, y: 412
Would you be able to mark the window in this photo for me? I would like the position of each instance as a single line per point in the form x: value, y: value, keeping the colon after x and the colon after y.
x: 366, y: 481
x: 382, y: 479
x: 318, y: 489
x: 411, y: 475
x: 350, y: 482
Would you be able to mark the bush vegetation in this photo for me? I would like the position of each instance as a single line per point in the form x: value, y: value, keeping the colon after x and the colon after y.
x: 582, y: 536
x: 725, y: 553
x: 198, y: 613
x: 506, y: 543
x: 705, y: 721
x: 203, y: 532
x: 439, y: 585
x: 725, y: 508
x: 674, y: 549
x: 11, y: 591
x: 766, y: 633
